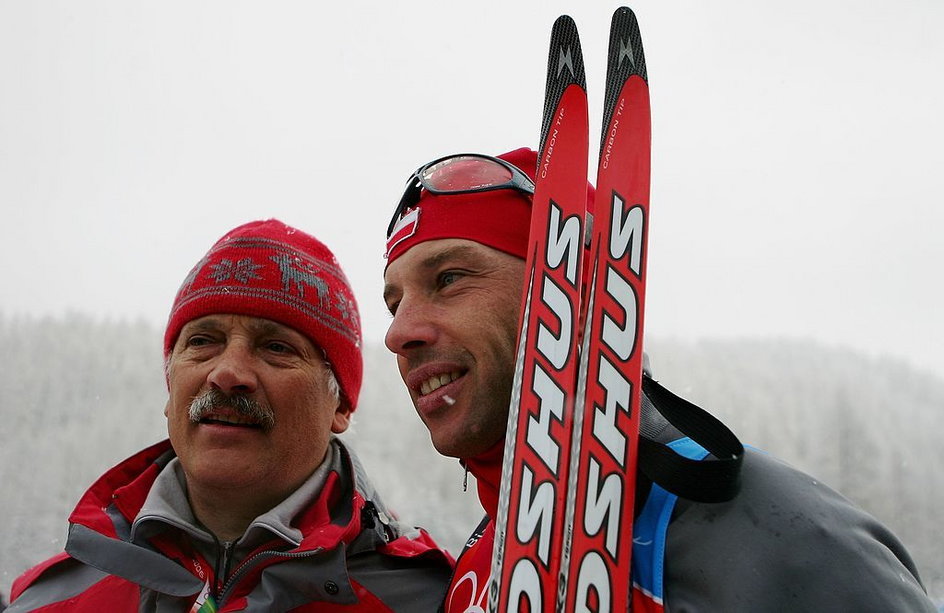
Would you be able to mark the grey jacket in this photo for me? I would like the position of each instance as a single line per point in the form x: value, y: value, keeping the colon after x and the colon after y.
x: 133, y: 547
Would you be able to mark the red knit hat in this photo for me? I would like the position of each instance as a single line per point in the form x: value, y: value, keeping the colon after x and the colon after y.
x: 270, y: 270
x: 500, y: 219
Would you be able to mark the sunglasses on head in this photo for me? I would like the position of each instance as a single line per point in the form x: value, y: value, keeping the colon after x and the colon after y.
x: 463, y: 173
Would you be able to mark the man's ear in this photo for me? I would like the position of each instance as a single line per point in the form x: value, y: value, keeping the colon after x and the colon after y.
x: 341, y: 420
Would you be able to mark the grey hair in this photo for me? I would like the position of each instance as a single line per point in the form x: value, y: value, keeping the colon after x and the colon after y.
x: 331, y: 381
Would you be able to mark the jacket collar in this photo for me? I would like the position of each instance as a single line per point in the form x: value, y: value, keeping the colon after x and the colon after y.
x: 121, y: 501
x: 166, y: 505
x: 486, y: 468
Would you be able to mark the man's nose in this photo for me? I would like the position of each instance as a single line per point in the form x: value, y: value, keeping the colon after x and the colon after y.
x: 413, y: 326
x: 233, y: 370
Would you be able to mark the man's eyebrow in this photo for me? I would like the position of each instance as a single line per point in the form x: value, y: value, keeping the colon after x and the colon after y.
x: 449, y: 253
x: 256, y: 325
x: 265, y: 326
x: 204, y: 324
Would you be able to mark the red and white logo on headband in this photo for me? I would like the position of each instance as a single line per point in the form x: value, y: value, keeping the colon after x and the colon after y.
x: 405, y: 228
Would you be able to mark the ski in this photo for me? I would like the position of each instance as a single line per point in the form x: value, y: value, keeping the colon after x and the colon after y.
x: 601, y: 490
x: 529, y: 525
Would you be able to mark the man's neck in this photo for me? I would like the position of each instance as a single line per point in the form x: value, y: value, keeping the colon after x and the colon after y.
x: 228, y: 513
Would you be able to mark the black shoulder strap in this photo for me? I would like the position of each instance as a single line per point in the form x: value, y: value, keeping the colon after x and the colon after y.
x: 714, y: 479
x: 475, y: 536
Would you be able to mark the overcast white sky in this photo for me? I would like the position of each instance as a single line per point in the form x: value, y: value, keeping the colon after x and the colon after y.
x: 797, y: 148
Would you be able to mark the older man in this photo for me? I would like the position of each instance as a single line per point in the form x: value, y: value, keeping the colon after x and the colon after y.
x: 252, y: 504
x: 453, y: 283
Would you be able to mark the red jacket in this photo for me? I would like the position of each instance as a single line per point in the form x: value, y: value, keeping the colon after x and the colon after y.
x: 348, y: 545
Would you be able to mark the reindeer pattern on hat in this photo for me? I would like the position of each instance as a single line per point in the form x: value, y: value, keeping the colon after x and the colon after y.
x: 252, y: 274
x: 300, y: 277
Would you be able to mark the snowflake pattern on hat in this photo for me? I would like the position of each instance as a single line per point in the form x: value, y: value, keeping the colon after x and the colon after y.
x: 243, y: 271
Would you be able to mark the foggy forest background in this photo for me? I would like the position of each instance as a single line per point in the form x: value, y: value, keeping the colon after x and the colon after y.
x: 77, y: 395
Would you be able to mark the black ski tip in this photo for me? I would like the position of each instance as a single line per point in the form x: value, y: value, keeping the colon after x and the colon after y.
x: 565, y: 57
x: 564, y: 68
x: 564, y: 21
x: 626, y: 54
x: 625, y: 59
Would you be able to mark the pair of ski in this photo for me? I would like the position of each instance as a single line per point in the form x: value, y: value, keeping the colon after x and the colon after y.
x: 563, y: 533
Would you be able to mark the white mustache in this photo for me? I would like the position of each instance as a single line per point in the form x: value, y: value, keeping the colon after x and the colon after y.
x: 243, y: 405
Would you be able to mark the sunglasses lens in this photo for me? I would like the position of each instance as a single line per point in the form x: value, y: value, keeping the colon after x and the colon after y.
x: 464, y: 173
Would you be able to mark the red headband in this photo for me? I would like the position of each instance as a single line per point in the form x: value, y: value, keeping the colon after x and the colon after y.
x: 500, y: 219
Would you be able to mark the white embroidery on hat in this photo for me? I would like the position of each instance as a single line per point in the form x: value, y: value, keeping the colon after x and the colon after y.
x: 301, y: 277
x: 243, y: 271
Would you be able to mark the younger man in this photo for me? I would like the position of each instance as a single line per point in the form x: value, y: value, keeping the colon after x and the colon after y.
x: 453, y: 283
